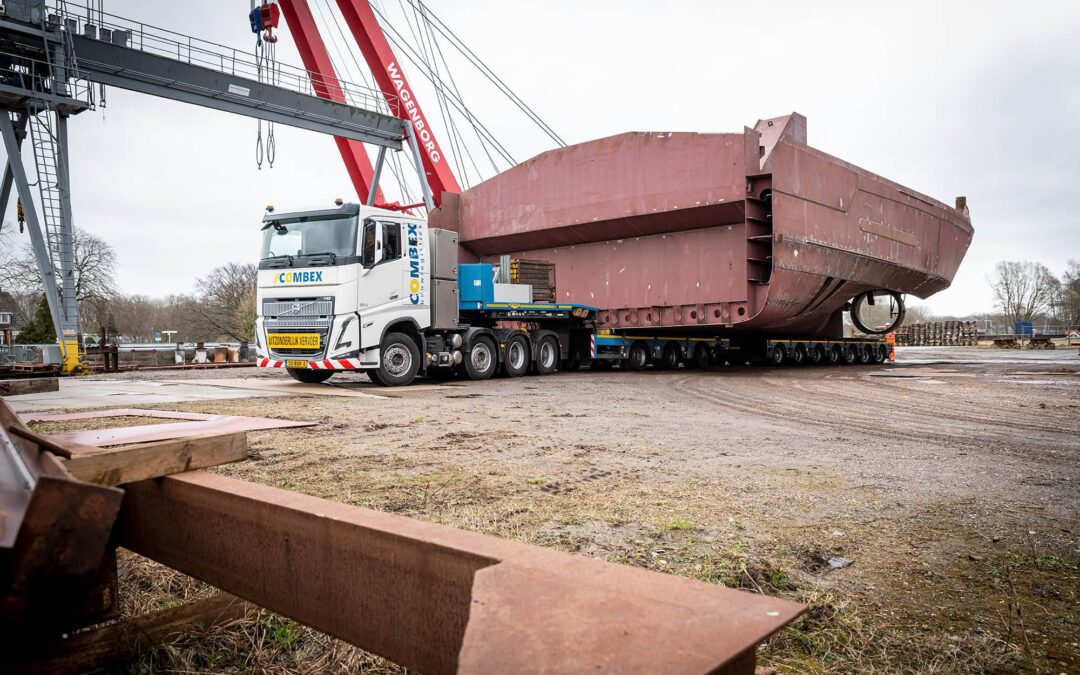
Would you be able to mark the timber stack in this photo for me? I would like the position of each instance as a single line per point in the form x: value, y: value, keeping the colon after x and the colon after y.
x: 539, y: 274
x: 938, y: 334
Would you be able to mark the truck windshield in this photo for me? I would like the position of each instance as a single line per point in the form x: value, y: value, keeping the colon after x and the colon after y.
x: 309, y: 236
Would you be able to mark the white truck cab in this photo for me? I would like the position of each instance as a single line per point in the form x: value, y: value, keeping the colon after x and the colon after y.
x: 333, y: 282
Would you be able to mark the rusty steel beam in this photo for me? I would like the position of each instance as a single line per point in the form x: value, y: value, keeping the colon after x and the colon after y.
x: 56, y: 568
x: 437, y: 599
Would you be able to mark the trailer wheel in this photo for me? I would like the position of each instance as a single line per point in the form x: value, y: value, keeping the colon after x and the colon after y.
x: 517, y: 356
x: 399, y: 360
x: 798, y: 355
x: 480, y: 362
x: 308, y: 376
x: 850, y: 356
x: 817, y: 355
x: 883, y: 354
x: 699, y: 358
x: 670, y: 358
x: 864, y: 354
x: 777, y: 355
x: 835, y: 354
x: 638, y: 358
x: 547, y: 356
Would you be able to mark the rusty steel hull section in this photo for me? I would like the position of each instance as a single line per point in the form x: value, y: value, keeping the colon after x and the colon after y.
x: 754, y: 231
x: 436, y: 599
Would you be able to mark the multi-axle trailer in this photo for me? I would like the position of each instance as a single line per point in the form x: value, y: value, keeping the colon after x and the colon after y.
x: 361, y: 288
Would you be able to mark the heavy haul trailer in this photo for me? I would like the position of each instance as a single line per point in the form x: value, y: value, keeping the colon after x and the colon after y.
x: 362, y: 288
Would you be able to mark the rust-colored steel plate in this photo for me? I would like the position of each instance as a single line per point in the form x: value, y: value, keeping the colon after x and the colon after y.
x: 711, y: 233
x: 201, y: 424
x: 436, y: 599
x: 55, y: 563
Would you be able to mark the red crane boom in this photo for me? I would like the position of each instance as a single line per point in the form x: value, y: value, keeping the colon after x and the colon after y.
x: 388, y: 75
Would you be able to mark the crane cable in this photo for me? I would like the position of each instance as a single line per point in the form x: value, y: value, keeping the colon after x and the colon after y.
x: 266, y: 70
x: 477, y: 62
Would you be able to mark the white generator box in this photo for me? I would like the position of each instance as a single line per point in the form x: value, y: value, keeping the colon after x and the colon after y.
x: 513, y: 293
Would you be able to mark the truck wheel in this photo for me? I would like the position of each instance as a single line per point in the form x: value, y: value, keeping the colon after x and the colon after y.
x: 670, y: 359
x: 777, y: 356
x: 817, y: 355
x: 517, y: 356
x: 699, y: 358
x: 399, y: 360
x: 864, y: 354
x: 603, y: 364
x: 836, y: 355
x: 480, y: 361
x: 638, y: 358
x: 798, y: 356
x: 547, y: 356
x: 850, y: 356
x: 373, y: 375
x: 308, y: 376
x: 883, y: 354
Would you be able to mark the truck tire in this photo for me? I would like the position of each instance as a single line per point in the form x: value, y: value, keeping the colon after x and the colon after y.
x: 308, y: 376
x: 638, y: 358
x: 373, y: 375
x: 547, y: 355
x: 699, y: 357
x: 864, y: 354
x: 516, y: 361
x: 836, y: 355
x: 817, y: 355
x: 883, y: 354
x: 603, y: 364
x: 480, y: 362
x: 777, y: 355
x: 850, y: 356
x: 670, y: 358
x: 798, y: 355
x: 399, y: 360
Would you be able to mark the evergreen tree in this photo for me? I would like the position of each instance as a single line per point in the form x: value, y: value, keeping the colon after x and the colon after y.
x: 40, y: 328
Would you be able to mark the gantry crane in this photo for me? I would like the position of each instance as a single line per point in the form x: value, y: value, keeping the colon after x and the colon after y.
x: 50, y: 58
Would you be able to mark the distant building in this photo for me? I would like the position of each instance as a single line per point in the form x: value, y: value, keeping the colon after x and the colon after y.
x: 7, y: 318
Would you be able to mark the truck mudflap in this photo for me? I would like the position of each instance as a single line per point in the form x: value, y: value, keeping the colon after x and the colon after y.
x: 322, y: 364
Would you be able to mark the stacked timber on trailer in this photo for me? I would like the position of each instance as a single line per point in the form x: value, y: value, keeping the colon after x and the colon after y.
x: 938, y: 334
x: 539, y: 274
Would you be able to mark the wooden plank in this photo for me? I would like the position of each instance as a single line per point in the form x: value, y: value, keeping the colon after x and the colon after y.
x: 127, y: 464
x: 30, y: 385
x: 127, y: 639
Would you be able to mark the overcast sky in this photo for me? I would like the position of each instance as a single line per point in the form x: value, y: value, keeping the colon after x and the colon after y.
x: 977, y: 99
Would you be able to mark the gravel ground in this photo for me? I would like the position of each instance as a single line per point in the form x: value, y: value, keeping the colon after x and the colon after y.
x: 949, y: 481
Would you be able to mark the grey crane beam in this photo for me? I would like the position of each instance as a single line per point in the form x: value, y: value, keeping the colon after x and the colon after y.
x: 149, y: 73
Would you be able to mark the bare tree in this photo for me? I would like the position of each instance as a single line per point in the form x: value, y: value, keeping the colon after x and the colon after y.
x: 1023, y: 290
x: 95, y: 266
x: 1070, y: 295
x: 226, y: 300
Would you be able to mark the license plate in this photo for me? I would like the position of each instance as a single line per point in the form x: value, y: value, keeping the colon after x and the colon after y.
x: 293, y: 363
x: 294, y: 340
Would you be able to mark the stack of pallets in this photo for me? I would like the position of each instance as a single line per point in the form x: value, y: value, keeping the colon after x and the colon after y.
x: 938, y: 334
x: 539, y: 274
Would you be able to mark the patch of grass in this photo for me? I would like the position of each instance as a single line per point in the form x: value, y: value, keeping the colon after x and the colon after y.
x: 281, y: 632
x: 539, y: 480
x: 680, y: 524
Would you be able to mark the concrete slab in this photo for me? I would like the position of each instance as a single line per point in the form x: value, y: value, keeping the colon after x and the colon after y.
x: 78, y: 393
x: 292, y: 387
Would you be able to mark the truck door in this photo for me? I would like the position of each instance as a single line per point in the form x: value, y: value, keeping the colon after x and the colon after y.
x: 380, y: 255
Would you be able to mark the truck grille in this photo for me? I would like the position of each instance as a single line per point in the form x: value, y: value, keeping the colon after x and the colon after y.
x: 299, y: 315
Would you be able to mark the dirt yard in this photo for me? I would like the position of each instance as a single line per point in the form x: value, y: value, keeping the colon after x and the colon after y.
x: 926, y: 512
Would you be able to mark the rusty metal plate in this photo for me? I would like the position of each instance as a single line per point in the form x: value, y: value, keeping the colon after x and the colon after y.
x: 437, y: 599
x: 201, y: 424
